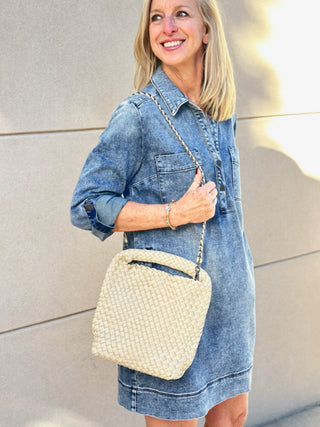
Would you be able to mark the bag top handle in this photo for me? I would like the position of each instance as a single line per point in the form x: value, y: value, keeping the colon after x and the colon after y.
x: 172, y: 261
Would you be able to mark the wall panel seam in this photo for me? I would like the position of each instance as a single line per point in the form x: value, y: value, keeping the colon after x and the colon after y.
x: 80, y: 313
x: 296, y: 257
x: 94, y: 129
x: 47, y: 321
x: 268, y: 116
x: 46, y: 132
x: 299, y: 411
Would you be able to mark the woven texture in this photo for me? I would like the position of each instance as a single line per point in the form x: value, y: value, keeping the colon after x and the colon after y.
x: 150, y: 320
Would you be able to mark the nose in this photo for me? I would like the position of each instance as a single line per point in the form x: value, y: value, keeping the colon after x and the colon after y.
x: 169, y: 25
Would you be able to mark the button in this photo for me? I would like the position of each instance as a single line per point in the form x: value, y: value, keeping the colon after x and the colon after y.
x: 222, y: 187
x: 88, y: 207
x: 219, y: 163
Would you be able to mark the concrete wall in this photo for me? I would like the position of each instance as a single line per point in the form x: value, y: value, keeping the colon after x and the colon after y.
x: 65, y: 66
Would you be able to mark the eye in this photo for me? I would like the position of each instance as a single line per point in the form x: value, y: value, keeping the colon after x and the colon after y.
x: 182, y: 13
x: 155, y: 17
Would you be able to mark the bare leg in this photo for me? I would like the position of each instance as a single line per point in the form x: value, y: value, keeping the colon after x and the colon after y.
x: 156, y: 422
x: 230, y: 413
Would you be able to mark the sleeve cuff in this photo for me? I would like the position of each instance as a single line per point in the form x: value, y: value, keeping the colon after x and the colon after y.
x: 103, y: 212
x: 108, y: 208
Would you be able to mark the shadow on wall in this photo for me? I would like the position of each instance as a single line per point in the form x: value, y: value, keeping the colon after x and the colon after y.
x: 280, y: 173
x: 246, y: 24
x: 278, y: 108
x: 273, y: 45
x: 280, y: 201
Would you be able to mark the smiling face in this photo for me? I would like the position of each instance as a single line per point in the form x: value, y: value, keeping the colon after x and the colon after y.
x: 177, y: 33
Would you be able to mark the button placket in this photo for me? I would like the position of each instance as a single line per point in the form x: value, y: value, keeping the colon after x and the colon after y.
x: 209, y: 131
x: 219, y: 168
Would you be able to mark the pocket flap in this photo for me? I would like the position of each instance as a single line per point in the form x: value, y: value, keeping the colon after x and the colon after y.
x: 167, y: 163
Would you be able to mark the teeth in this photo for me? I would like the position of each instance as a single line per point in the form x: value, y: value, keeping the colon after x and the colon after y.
x: 172, y: 44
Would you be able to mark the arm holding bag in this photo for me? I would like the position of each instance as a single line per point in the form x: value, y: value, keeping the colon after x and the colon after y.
x: 147, y: 319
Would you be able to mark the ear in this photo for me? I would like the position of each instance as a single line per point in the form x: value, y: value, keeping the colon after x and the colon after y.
x: 205, y: 37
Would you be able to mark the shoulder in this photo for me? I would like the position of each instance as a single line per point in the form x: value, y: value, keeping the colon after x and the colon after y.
x: 234, y: 123
x: 229, y: 123
x: 137, y: 108
x: 125, y: 121
x: 130, y: 106
x: 138, y: 98
x: 127, y: 117
x: 234, y: 119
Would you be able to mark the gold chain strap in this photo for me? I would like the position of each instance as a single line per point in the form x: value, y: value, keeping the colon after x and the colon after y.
x: 200, y: 251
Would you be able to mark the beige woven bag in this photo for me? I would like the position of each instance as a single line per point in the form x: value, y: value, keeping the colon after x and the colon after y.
x: 147, y: 319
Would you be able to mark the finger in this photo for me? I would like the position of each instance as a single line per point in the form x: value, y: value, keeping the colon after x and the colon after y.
x: 198, y: 177
x: 213, y: 194
x: 210, y: 186
x: 196, y: 181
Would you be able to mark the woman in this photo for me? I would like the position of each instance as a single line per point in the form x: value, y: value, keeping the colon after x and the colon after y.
x: 139, y: 167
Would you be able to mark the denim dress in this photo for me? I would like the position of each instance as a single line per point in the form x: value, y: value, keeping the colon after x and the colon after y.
x: 139, y: 158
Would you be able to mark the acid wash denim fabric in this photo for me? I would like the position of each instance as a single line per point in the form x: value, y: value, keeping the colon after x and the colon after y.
x: 139, y: 158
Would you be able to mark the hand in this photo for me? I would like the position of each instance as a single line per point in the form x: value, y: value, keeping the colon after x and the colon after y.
x: 197, y: 205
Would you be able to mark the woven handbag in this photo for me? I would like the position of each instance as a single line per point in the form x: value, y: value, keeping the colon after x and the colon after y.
x: 148, y: 319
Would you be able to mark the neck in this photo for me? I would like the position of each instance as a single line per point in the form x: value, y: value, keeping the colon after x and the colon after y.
x: 188, y: 80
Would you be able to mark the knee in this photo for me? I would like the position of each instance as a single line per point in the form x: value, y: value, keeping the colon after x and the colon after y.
x: 240, y: 419
x: 232, y: 412
x: 233, y: 419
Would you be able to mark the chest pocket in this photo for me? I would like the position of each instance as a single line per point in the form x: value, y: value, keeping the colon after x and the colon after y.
x: 235, y: 161
x: 175, y: 174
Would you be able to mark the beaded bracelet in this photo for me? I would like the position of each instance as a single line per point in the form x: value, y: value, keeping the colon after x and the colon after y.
x: 168, y: 212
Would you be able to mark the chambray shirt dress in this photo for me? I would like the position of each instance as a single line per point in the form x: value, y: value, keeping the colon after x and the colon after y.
x: 139, y: 158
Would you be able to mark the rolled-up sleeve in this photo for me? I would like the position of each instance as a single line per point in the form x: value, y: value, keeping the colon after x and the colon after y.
x: 99, y: 194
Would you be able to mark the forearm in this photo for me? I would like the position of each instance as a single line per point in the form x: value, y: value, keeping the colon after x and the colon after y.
x: 195, y: 206
x: 137, y: 216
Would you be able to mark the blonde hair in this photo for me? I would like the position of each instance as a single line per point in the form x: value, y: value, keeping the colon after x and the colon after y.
x: 218, y: 93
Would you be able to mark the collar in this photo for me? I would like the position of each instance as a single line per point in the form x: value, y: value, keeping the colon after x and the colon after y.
x: 171, y: 95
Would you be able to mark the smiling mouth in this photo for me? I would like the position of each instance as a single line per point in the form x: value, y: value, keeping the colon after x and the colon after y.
x: 173, y: 43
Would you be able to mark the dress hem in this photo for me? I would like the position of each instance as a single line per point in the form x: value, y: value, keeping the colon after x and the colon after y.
x: 184, y: 406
